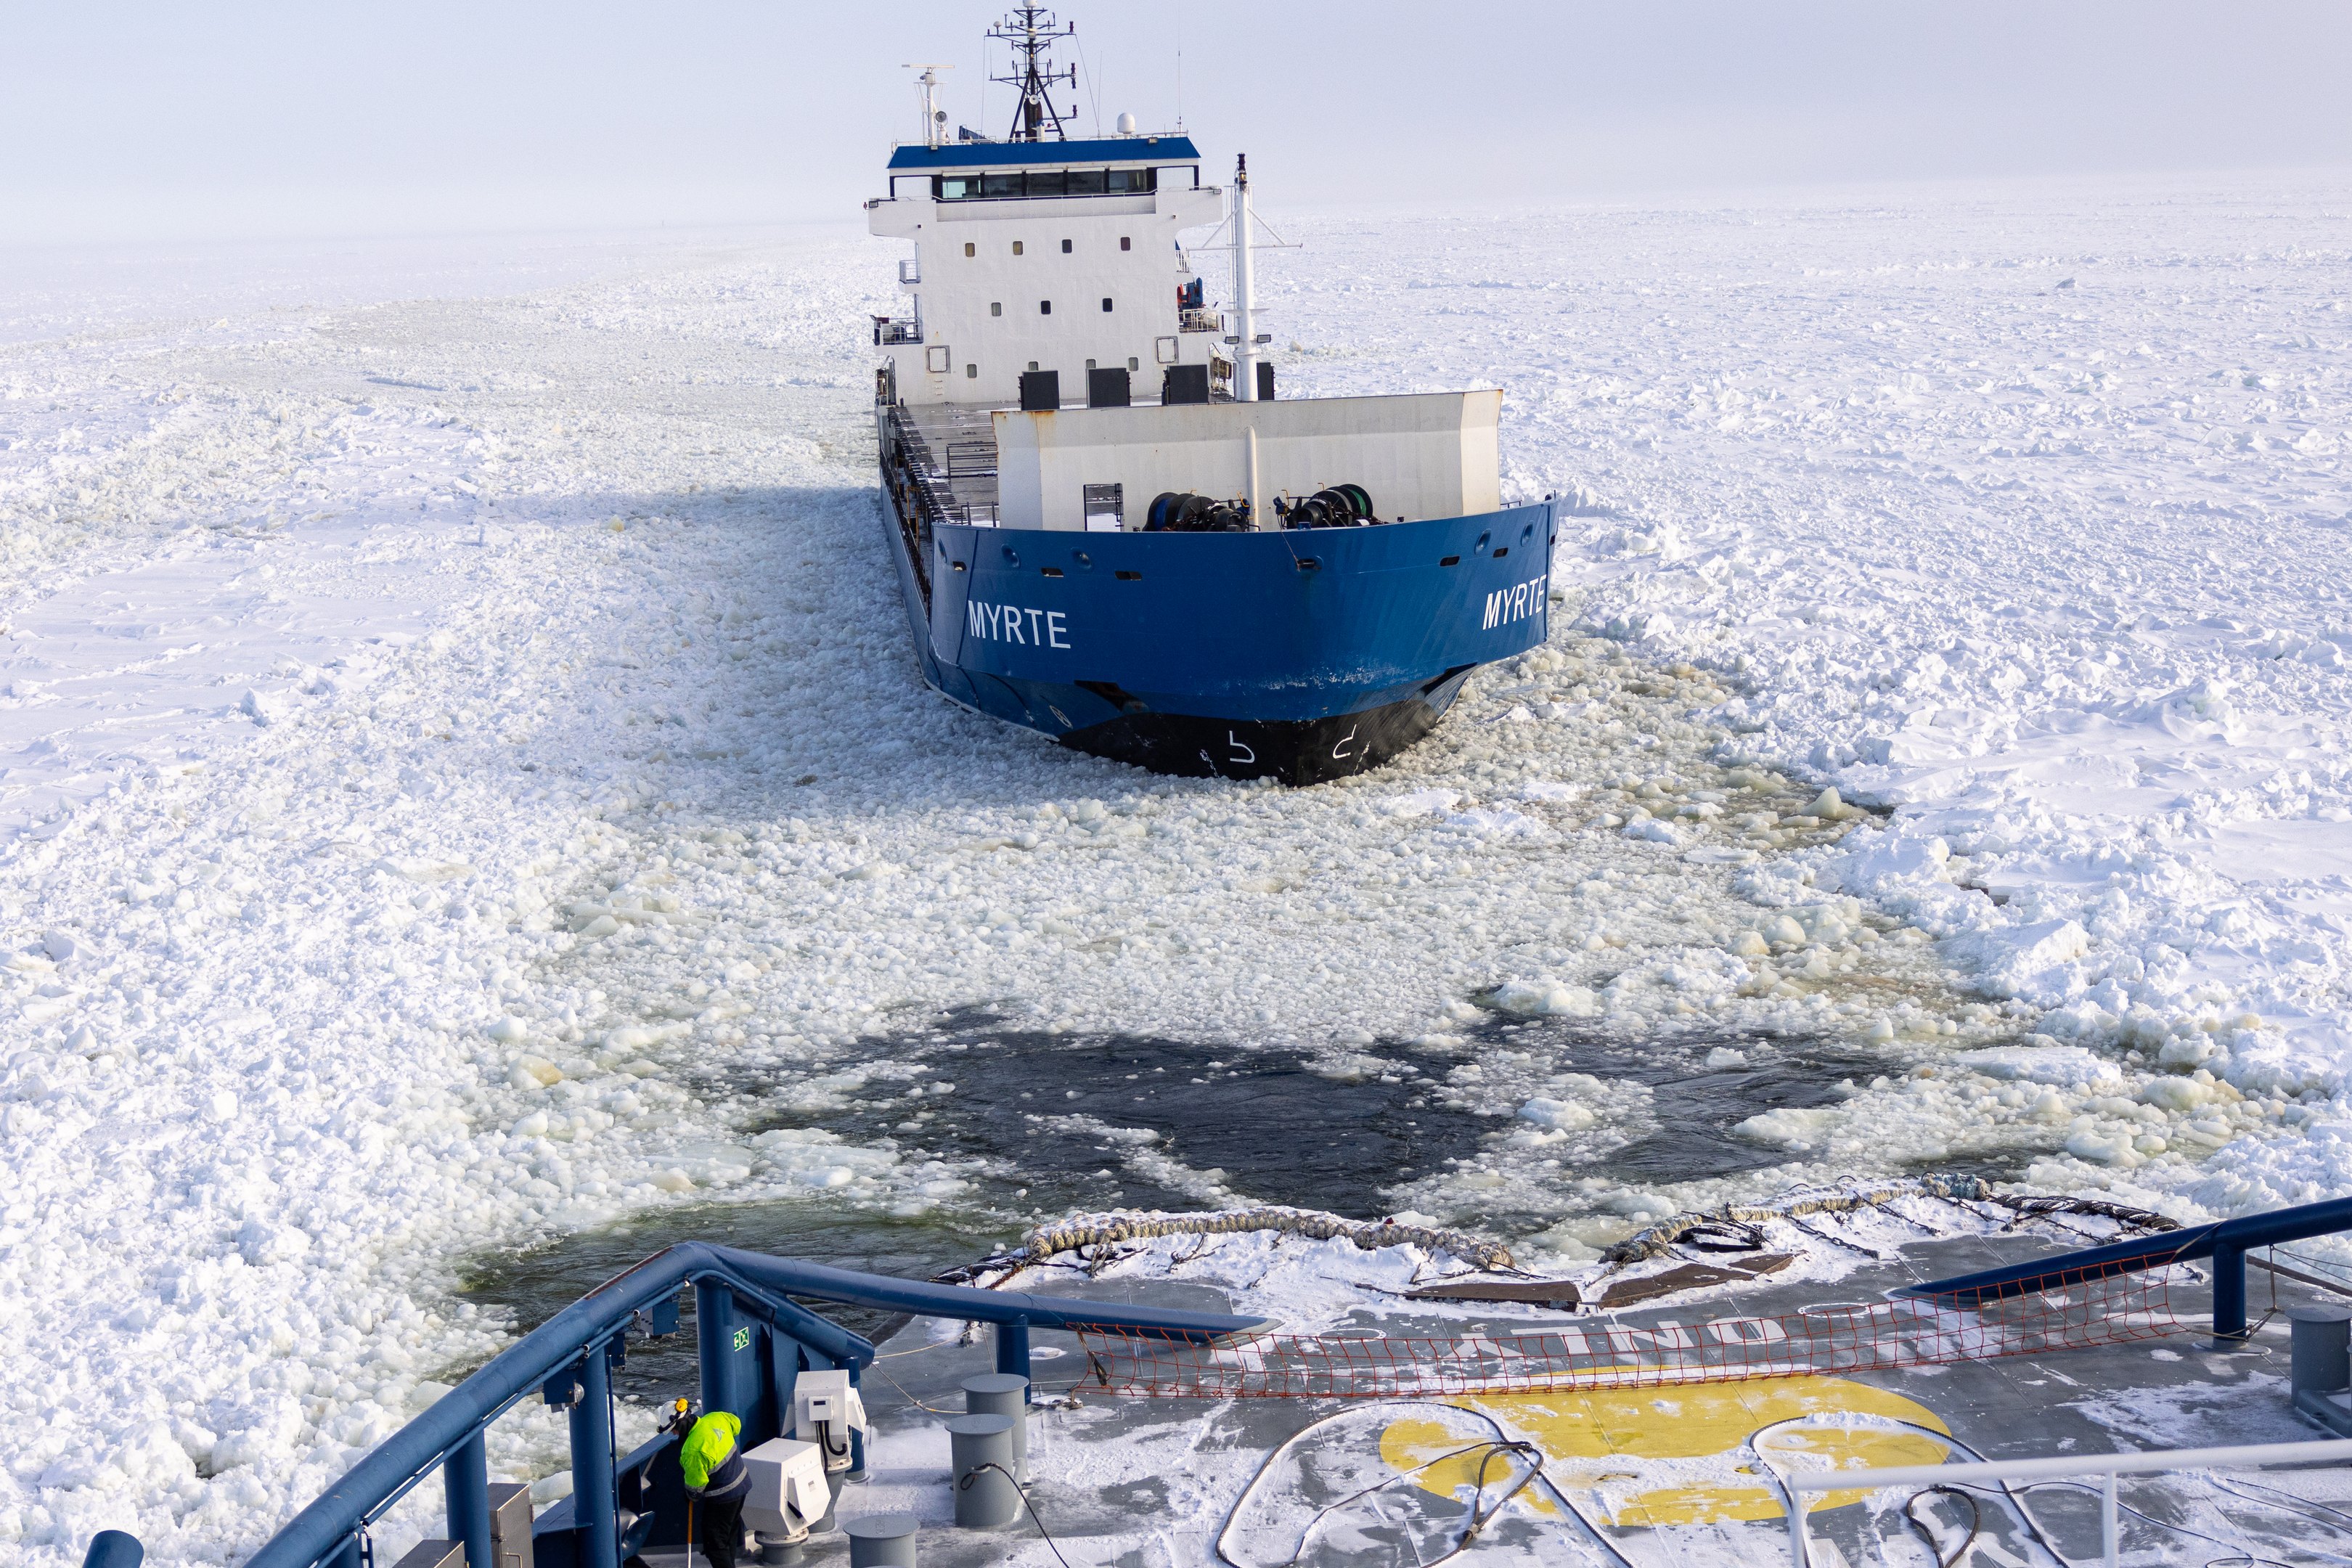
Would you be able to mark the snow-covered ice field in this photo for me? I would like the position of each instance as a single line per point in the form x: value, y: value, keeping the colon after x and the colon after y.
x: 455, y: 713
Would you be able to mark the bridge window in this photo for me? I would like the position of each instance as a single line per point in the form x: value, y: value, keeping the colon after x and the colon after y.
x: 1014, y: 183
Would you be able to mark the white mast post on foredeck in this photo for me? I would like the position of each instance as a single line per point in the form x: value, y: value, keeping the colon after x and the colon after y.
x: 1244, y: 291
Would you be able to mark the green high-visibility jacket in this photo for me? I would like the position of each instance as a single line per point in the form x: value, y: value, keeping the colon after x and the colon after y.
x: 706, y: 1448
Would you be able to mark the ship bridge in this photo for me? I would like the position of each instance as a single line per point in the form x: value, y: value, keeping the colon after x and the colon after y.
x: 1060, y: 256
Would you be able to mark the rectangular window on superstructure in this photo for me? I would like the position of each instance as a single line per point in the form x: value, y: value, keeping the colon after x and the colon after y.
x: 1000, y: 185
x: 1045, y: 306
x: 1125, y: 243
x: 1106, y: 306
x: 1047, y: 182
x: 1123, y: 182
x: 996, y: 306
x: 955, y: 187
x: 1086, y: 181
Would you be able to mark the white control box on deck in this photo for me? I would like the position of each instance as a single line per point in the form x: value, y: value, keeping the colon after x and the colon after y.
x: 825, y: 1410
x: 788, y: 1487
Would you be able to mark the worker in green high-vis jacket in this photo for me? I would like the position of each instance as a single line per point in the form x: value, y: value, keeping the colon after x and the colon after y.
x: 717, y: 1481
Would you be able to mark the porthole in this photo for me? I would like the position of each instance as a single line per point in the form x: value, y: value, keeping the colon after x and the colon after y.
x: 1134, y: 363
x: 1066, y: 248
x: 972, y: 372
x: 1045, y: 306
x: 1016, y: 248
x: 996, y: 306
x: 969, y: 249
x: 1125, y: 243
x: 1106, y: 306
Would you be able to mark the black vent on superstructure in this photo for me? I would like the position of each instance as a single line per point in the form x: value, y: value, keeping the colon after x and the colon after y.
x: 1041, y: 390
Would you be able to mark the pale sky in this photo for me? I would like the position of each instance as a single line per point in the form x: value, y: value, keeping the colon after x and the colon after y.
x: 258, y: 117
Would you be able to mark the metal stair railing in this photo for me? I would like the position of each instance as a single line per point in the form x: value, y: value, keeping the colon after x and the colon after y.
x: 746, y: 1324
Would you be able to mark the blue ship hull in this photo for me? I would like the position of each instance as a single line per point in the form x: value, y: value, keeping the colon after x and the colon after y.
x: 1299, y: 655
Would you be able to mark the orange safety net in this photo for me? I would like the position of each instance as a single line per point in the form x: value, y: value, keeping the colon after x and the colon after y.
x: 2111, y: 1308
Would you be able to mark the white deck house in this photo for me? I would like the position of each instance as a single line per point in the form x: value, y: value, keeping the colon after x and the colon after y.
x: 1060, y: 256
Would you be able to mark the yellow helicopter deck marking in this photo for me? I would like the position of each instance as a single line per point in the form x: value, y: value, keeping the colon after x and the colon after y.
x: 1693, y: 1423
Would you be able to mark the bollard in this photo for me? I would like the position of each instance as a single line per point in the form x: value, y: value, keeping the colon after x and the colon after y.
x: 881, y: 1541
x: 120, y: 1549
x: 1004, y: 1393
x: 2321, y: 1356
x: 980, y: 1448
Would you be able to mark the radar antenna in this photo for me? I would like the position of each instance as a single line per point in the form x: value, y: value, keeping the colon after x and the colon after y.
x: 1031, y: 32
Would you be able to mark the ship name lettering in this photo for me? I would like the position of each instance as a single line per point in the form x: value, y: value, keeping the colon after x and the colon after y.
x: 1014, y: 624
x: 1515, y: 603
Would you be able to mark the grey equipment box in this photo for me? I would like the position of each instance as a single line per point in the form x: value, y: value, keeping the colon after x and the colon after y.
x: 434, y: 1554
x: 511, y: 1524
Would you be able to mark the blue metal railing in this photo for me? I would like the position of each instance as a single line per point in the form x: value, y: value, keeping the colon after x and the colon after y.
x: 2226, y: 1242
x: 570, y: 1356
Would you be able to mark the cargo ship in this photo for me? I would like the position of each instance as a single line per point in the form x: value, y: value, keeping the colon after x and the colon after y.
x: 1107, y: 526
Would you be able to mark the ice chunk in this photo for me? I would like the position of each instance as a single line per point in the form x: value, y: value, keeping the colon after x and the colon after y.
x: 1551, y: 998
x: 2103, y: 1146
x: 1555, y: 1115
x: 1725, y: 1056
x: 2026, y: 959
x: 534, y: 1072
x: 1548, y: 789
x: 1421, y: 803
x: 1653, y: 830
x: 2175, y: 1093
x: 1790, y: 1127
x: 2063, y: 1066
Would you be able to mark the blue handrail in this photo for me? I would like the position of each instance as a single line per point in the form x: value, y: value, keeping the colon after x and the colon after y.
x: 2226, y: 1242
x: 569, y: 1345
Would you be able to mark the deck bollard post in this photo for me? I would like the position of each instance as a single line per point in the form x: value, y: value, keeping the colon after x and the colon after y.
x: 714, y: 1336
x: 2229, y: 1295
x: 465, y: 1484
x: 595, y: 1505
x: 1013, y: 1347
x: 120, y: 1549
x: 1004, y: 1393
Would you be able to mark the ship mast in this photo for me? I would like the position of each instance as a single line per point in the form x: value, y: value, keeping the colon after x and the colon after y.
x: 1031, y: 32
x: 1245, y: 289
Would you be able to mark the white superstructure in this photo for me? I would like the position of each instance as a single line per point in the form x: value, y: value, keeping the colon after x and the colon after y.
x: 1060, y: 256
